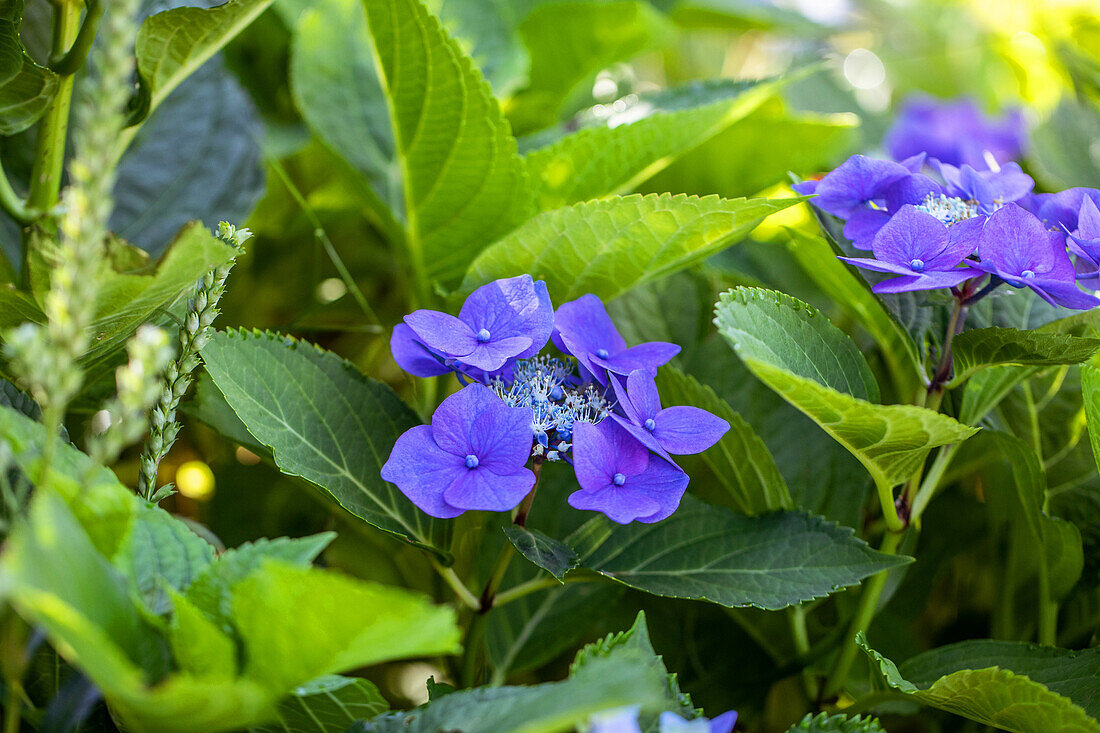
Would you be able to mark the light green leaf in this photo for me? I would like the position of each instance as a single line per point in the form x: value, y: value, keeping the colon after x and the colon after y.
x: 771, y: 327
x: 198, y: 645
x: 463, y: 183
x: 324, y: 421
x: 1090, y: 394
x: 553, y: 707
x: 328, y: 704
x: 351, y: 623
x: 1062, y: 153
x: 607, y: 247
x: 994, y: 695
x: 211, y: 591
x: 825, y: 723
x: 613, y: 154
x: 771, y: 561
x: 173, y: 44
x: 740, y: 461
x: 979, y: 348
x: 553, y: 556
x: 985, y: 390
x: 16, y: 307
x: 161, y: 552
x: 26, y: 88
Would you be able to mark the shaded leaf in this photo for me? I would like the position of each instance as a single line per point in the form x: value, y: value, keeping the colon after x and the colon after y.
x: 979, y: 348
x: 328, y: 704
x: 825, y: 723
x: 551, y: 555
x: 26, y: 88
x: 489, y: 28
x: 161, y: 552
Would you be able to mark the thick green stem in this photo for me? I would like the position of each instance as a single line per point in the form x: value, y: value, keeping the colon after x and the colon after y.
x: 796, y: 616
x: 868, y: 601
x: 69, y: 62
x: 14, y: 710
x: 1048, y: 609
x: 13, y: 203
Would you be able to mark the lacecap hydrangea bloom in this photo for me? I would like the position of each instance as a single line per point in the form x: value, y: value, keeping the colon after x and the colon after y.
x: 967, y: 221
x: 593, y: 405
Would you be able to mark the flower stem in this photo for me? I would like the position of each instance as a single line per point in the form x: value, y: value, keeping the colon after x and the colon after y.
x: 525, y: 505
x: 868, y: 600
x: 943, y: 369
x: 69, y: 62
x: 450, y: 577
x: 1048, y: 609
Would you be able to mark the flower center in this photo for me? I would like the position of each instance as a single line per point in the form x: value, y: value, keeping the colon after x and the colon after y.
x: 916, y: 265
x: 471, y: 461
x: 618, y: 479
x: 649, y: 424
x: 483, y: 335
x: 1027, y: 274
x: 602, y: 353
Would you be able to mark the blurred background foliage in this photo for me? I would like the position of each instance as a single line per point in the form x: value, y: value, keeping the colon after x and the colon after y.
x: 257, y: 139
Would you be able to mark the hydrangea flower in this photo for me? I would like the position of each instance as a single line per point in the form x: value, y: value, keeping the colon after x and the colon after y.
x: 621, y: 478
x: 1084, y: 241
x: 956, y: 133
x: 923, y: 251
x: 502, y: 320
x: 1015, y: 247
x: 625, y: 720
x: 472, y: 456
x: 583, y: 330
x: 989, y: 189
x: 677, y: 430
x: 1060, y: 211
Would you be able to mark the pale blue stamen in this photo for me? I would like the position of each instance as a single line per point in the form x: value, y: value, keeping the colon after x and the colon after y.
x: 650, y: 425
x: 1027, y: 274
x: 948, y: 209
x: 602, y: 353
x: 618, y: 479
x: 471, y: 461
x: 916, y: 265
x: 483, y: 335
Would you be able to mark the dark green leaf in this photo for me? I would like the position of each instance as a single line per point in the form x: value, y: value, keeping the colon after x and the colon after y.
x: 985, y: 347
x: 327, y: 704
x: 825, y: 723
x: 26, y: 88
x: 553, y: 556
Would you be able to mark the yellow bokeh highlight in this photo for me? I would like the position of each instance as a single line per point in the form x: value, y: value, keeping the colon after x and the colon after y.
x: 195, y: 480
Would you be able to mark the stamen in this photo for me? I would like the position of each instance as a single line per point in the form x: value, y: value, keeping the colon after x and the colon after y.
x: 471, y: 461
x: 602, y: 353
x: 483, y: 335
x: 649, y: 424
x: 916, y: 265
x: 618, y: 479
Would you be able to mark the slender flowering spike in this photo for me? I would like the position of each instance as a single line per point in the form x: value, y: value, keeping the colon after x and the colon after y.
x: 955, y: 133
x: 505, y: 319
x: 990, y: 190
x: 1015, y: 247
x: 924, y: 251
x: 583, y: 329
x: 1085, y: 240
x: 619, y: 477
x: 677, y: 430
x: 472, y: 456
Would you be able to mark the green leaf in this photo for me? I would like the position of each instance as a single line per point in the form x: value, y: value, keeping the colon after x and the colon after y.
x: 774, y: 328
x: 552, y: 707
x: 985, y: 390
x: 488, y: 30
x: 1061, y: 153
x: 198, y: 645
x: 995, y: 695
x: 979, y: 348
x: 350, y: 623
x: 825, y: 723
x: 328, y: 704
x: 1090, y: 394
x: 26, y: 89
x: 771, y: 561
x: 173, y: 44
x: 161, y: 552
x: 613, y: 154
x: 740, y: 461
x: 553, y: 556
x: 463, y: 184
x: 324, y: 421
x: 891, y: 441
x: 607, y: 247
x: 211, y: 591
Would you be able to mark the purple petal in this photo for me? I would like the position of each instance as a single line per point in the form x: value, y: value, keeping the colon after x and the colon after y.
x: 601, y: 451
x: 492, y: 354
x: 962, y: 241
x: 511, y: 307
x: 1013, y: 241
x: 910, y: 190
x: 925, y: 281
x: 643, y: 394
x: 622, y: 400
x: 856, y: 181
x: 422, y: 471
x: 501, y: 438
x: 1010, y: 183
x: 483, y: 490
x: 454, y: 419
x: 877, y: 266
x: 1067, y: 295
x: 686, y: 430
x: 412, y: 355
x: 863, y: 225
x: 723, y: 723
x: 586, y: 323
x: 442, y: 332
x: 1057, y: 210
x: 1088, y: 220
x: 643, y: 436
x: 647, y: 356
x: 621, y: 505
x: 914, y: 163
x: 664, y: 484
x: 805, y: 188
x: 911, y: 234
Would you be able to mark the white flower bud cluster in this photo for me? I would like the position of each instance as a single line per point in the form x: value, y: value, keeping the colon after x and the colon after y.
x: 202, y: 310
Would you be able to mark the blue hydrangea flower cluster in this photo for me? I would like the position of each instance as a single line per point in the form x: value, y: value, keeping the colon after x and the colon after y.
x: 625, y: 720
x: 594, y: 405
x: 955, y: 210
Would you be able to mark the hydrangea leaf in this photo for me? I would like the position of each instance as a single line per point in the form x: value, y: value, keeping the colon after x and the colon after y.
x: 409, y: 110
x: 740, y: 461
x: 825, y: 723
x: 980, y: 348
x: 985, y: 390
x: 351, y: 623
x: 328, y: 704
x: 553, y: 556
x: 173, y: 44
x: 26, y: 88
x: 488, y: 29
x: 324, y: 421
x: 1090, y: 394
x: 771, y: 327
x: 613, y: 154
x: 606, y: 247
x: 1061, y: 153
x: 771, y: 561
x: 161, y: 552
x: 1004, y: 694
x: 199, y: 647
x: 891, y: 441
x: 623, y: 681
